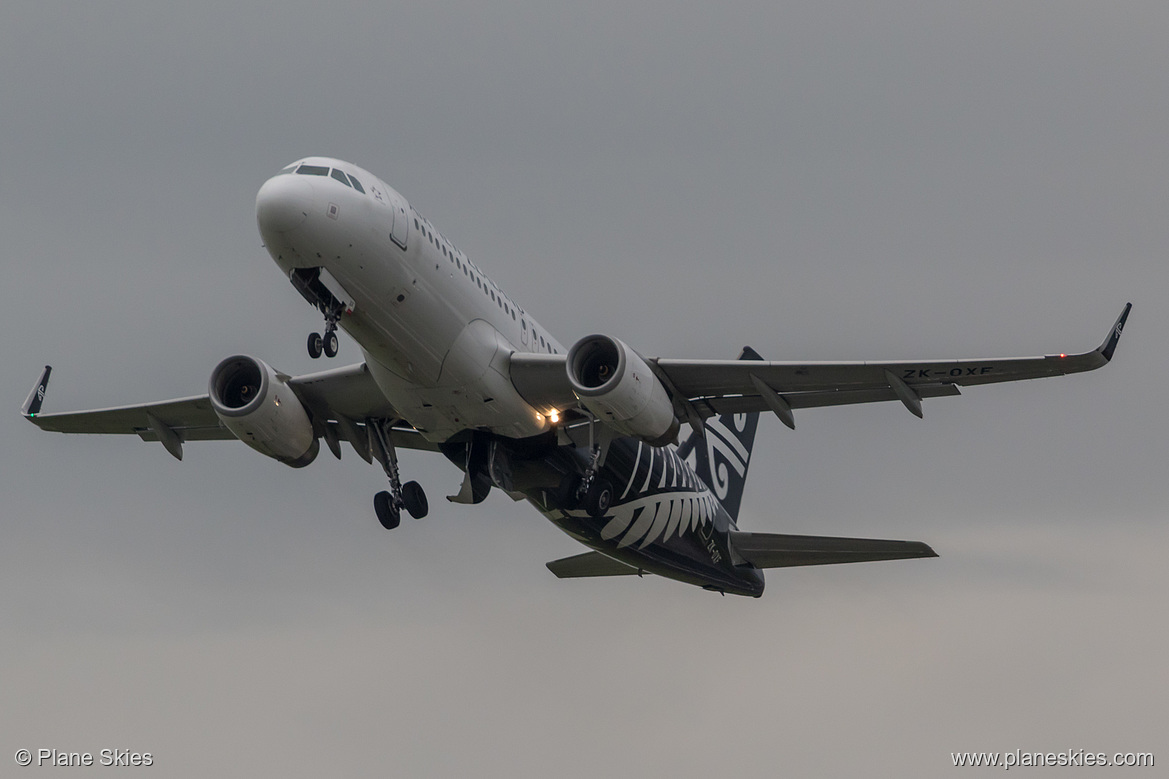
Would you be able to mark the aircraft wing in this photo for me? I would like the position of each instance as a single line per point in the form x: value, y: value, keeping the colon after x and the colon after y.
x: 349, y: 393
x: 708, y: 388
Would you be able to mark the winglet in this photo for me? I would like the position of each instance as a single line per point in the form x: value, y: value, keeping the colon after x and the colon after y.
x: 1109, y: 346
x: 32, y: 406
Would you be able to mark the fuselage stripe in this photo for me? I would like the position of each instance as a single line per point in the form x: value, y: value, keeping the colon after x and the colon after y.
x: 649, y: 469
x: 633, y: 470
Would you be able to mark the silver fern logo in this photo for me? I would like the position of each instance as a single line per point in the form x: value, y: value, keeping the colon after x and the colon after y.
x: 663, y: 497
x: 655, y: 518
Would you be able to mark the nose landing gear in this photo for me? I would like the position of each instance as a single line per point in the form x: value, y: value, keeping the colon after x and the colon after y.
x: 328, y: 342
x: 317, y: 287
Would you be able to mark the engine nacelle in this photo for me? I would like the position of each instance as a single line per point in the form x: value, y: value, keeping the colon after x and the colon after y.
x: 614, y: 383
x: 255, y: 404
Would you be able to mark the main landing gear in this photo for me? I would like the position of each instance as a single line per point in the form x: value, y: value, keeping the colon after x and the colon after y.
x: 591, y: 490
x: 410, y: 496
x: 594, y: 494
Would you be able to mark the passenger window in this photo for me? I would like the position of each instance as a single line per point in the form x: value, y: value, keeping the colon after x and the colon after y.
x: 340, y: 176
x: 312, y: 170
x: 357, y: 185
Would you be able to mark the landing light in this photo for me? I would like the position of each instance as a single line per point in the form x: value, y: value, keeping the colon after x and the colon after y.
x: 554, y: 416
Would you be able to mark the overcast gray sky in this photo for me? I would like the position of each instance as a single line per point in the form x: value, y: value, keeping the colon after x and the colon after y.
x: 819, y: 180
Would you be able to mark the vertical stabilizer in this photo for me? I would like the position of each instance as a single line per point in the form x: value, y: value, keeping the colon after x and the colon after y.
x: 721, y: 460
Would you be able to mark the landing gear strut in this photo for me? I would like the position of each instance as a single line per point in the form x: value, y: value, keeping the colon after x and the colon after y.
x: 410, y: 496
x: 590, y: 490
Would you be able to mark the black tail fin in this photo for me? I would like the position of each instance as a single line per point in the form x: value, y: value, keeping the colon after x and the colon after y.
x: 722, y: 461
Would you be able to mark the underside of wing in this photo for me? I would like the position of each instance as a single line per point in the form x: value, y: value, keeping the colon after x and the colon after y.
x: 338, y: 400
x: 777, y: 550
x: 589, y: 564
x: 705, y: 388
x: 193, y: 418
x: 349, y: 391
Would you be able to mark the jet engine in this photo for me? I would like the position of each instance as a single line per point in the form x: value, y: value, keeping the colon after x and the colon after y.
x: 615, y: 383
x: 258, y: 406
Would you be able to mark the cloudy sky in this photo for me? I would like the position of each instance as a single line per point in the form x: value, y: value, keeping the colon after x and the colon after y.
x: 821, y: 180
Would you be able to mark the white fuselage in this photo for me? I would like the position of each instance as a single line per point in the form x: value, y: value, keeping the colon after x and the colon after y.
x: 435, y: 330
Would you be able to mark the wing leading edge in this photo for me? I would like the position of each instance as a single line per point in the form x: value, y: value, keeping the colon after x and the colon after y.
x: 716, y: 387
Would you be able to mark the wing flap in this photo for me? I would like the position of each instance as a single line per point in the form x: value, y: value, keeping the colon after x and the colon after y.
x: 777, y: 550
x: 746, y: 404
x: 589, y: 564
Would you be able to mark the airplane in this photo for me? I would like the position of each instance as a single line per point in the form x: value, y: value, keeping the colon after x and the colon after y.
x: 590, y: 435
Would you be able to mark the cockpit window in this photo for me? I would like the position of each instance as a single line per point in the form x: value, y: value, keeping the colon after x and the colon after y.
x: 357, y: 185
x: 340, y: 176
x: 289, y: 169
x: 312, y: 170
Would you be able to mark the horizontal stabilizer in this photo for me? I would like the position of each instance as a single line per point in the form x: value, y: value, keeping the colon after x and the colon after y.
x: 589, y: 564
x: 777, y: 550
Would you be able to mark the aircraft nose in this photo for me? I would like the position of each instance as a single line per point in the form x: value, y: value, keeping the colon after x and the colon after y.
x: 283, y: 203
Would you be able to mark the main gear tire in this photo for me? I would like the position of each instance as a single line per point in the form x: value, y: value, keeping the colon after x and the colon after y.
x: 388, y: 512
x: 415, y: 499
x: 598, y: 498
